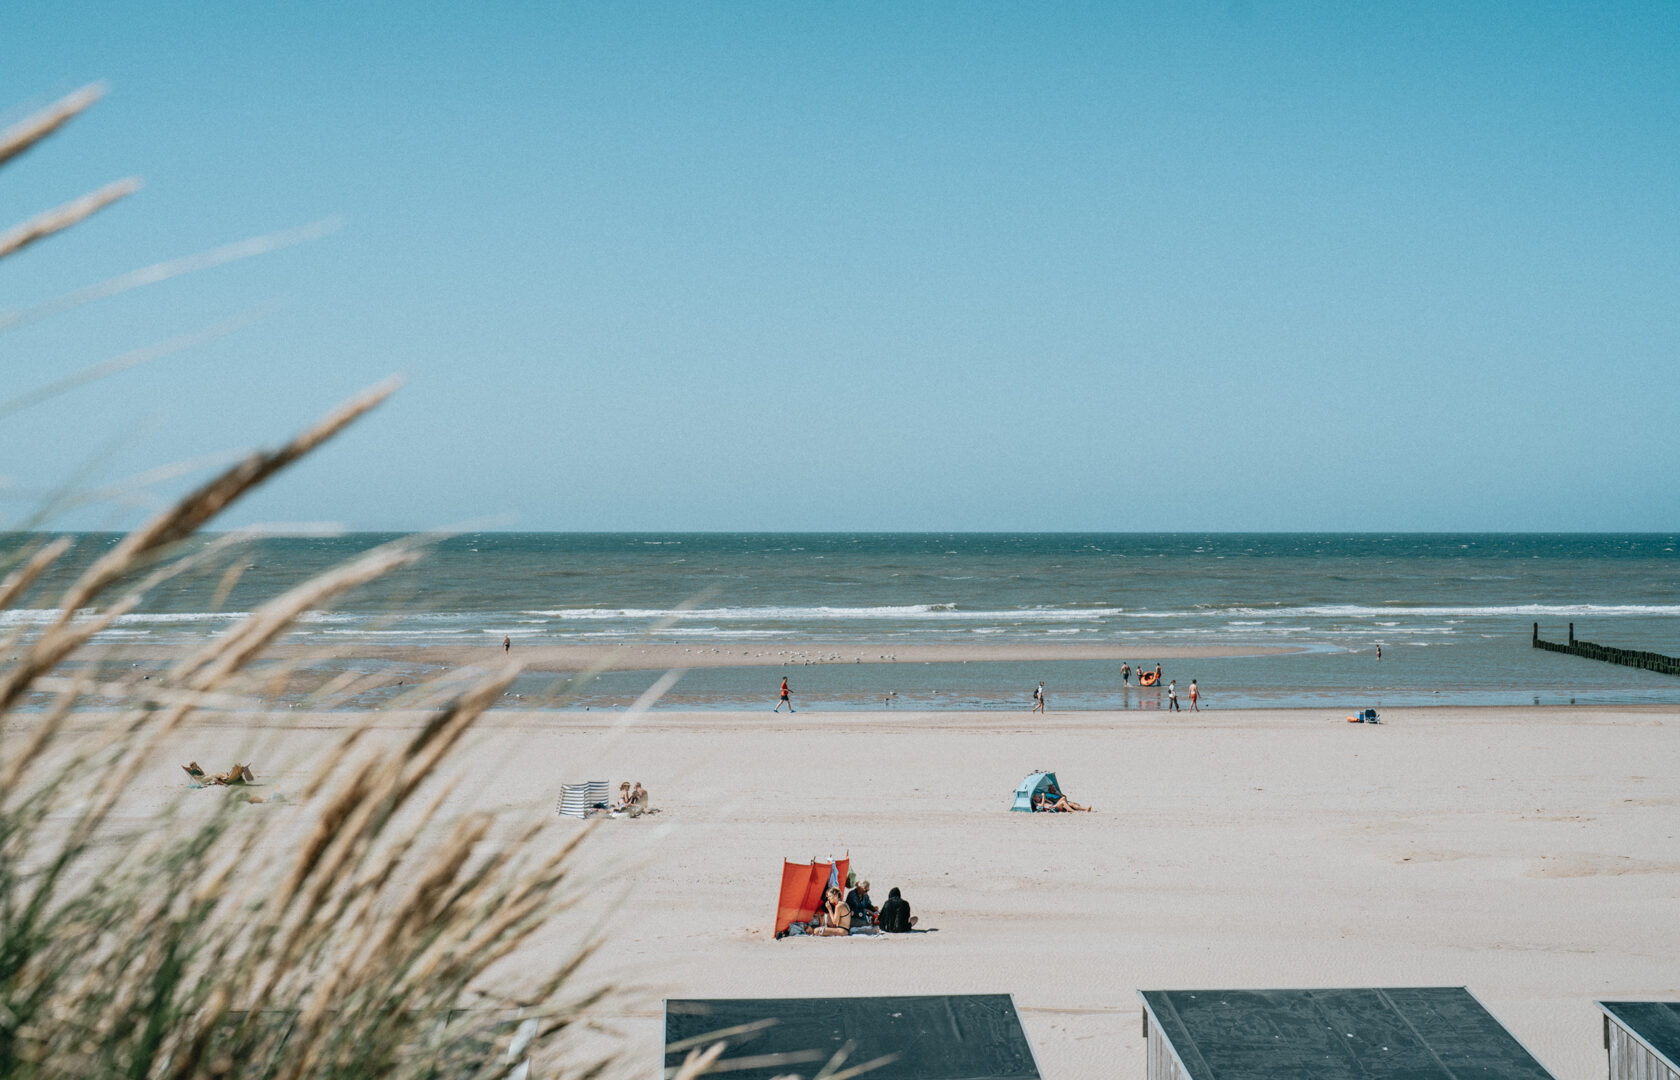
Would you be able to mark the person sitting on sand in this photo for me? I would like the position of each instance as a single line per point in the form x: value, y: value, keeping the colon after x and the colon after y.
x: 1056, y: 795
x: 895, y: 914
x: 239, y: 774
x: 834, y: 918
x: 638, y: 804
x: 1052, y: 799
x: 863, y: 911
x: 623, y: 802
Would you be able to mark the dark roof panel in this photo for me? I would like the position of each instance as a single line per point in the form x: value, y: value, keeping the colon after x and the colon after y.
x: 1656, y: 1023
x: 1420, y: 1033
x: 960, y: 1037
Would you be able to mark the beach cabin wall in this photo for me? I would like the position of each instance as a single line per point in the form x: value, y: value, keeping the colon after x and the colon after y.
x: 1163, y: 1059
x: 1642, y: 1039
x: 1630, y: 1059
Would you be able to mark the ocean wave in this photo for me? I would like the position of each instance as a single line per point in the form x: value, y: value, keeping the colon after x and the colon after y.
x: 836, y: 614
x: 385, y: 631
x: 171, y: 618
x: 1365, y: 611
x: 44, y: 616
x: 31, y: 616
x: 702, y: 633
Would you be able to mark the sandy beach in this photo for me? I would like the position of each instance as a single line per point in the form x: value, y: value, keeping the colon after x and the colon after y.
x: 1527, y: 853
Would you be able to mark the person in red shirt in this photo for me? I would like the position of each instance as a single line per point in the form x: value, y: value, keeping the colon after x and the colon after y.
x: 788, y: 701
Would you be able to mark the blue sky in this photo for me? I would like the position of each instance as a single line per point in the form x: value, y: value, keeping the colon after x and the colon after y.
x: 829, y: 266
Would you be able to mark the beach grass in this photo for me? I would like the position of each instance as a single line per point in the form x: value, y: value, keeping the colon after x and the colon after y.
x: 217, y: 943
x: 358, y: 929
x: 346, y: 933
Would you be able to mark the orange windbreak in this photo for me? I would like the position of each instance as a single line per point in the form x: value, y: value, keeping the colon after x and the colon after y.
x: 802, y: 890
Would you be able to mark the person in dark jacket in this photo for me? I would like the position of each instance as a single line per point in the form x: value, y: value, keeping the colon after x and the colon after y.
x: 895, y: 914
x: 863, y: 911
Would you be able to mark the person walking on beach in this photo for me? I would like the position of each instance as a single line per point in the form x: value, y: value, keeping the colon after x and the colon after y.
x: 1038, y: 698
x: 1172, y: 696
x: 1194, y: 694
x: 1125, y: 673
x: 1379, y: 652
x: 507, y: 643
x: 786, y: 700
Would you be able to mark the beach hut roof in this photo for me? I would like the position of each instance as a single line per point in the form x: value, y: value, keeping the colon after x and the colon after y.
x: 1655, y: 1024
x: 1414, y: 1033
x: 934, y: 1037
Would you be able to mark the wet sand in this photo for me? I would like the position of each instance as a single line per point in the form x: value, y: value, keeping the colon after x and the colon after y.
x: 637, y: 657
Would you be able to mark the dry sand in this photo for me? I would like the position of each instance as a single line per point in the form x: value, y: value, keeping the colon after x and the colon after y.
x: 1527, y: 853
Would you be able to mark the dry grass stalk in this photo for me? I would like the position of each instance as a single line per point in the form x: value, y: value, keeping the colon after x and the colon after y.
x: 190, y: 514
x: 34, y: 565
x: 59, y: 218
x: 170, y: 268
x: 32, y: 130
x: 168, y: 950
x: 131, y: 359
x: 83, y: 990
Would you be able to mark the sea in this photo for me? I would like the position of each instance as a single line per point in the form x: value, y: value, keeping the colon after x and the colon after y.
x: 1454, y: 615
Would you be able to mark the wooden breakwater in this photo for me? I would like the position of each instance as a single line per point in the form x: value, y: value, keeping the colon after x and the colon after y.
x: 1638, y: 658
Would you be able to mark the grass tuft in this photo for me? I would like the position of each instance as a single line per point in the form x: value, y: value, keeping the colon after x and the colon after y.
x: 351, y: 933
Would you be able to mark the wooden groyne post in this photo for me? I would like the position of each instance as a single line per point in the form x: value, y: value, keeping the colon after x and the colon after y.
x: 1638, y: 658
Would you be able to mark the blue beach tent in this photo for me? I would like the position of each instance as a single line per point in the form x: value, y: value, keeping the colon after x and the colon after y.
x: 1032, y: 785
